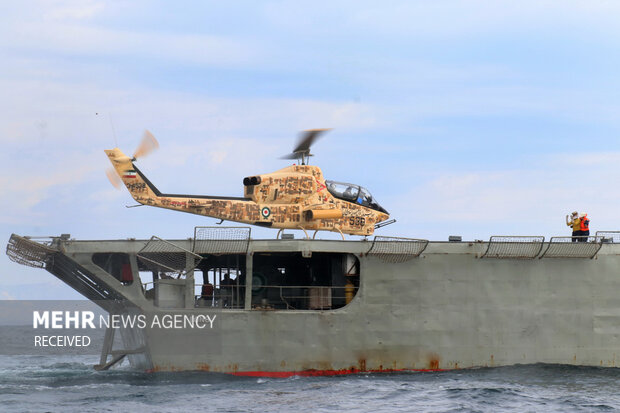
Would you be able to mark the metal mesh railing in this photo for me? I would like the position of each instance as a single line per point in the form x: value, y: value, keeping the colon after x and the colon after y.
x: 290, y: 297
x: 516, y: 247
x: 27, y: 252
x: 221, y: 240
x: 395, y: 249
x: 168, y: 258
x: 572, y: 247
x: 609, y: 236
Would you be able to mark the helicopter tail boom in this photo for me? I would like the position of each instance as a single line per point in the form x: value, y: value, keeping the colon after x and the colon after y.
x: 144, y: 192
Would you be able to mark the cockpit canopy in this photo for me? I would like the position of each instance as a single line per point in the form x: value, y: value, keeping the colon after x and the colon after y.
x: 353, y: 193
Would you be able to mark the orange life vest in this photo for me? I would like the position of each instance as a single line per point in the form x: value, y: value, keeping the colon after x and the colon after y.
x: 585, y: 223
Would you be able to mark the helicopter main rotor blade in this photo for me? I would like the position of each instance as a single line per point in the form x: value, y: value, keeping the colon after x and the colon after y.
x: 290, y: 156
x: 147, y: 145
x: 307, y: 138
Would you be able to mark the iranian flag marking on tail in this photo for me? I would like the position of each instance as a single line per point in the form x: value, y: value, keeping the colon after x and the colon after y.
x: 129, y: 174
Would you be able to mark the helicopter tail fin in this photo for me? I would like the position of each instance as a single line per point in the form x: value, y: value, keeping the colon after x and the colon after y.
x: 138, y: 186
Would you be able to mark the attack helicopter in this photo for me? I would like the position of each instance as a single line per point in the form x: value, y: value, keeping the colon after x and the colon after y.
x: 294, y: 197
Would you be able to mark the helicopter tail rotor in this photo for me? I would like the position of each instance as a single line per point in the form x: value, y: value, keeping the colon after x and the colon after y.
x: 147, y: 145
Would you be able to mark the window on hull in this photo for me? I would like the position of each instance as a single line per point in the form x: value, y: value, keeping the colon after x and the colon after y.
x: 289, y: 281
x: 223, y: 281
x: 280, y: 281
x: 116, y: 264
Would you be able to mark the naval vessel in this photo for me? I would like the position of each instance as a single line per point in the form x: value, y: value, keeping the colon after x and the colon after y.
x: 322, y: 307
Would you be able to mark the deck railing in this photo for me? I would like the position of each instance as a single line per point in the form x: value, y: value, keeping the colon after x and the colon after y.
x: 396, y: 249
x: 519, y: 247
x: 271, y: 297
x: 530, y: 247
x: 609, y: 236
x: 572, y: 247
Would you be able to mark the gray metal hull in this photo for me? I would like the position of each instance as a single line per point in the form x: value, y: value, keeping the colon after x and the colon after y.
x: 440, y: 311
x: 447, y: 308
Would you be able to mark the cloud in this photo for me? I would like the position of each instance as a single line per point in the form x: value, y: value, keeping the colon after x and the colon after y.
x: 29, y: 183
x: 593, y: 161
x: 528, y: 201
x: 73, y: 10
x: 89, y: 41
x: 439, y: 18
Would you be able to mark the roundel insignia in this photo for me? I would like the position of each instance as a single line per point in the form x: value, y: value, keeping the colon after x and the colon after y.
x: 265, y: 212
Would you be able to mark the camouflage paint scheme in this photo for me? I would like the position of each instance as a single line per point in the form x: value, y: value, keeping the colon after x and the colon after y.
x: 282, y: 199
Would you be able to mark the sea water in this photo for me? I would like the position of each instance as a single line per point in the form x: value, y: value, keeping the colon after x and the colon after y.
x: 68, y: 383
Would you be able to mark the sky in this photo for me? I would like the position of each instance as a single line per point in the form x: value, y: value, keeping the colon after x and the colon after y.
x: 471, y: 118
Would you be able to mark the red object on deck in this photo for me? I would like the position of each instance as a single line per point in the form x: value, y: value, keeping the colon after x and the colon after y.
x: 126, y: 274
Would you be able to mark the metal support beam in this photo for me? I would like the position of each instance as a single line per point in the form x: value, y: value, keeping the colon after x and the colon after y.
x: 249, y: 272
x: 189, y: 280
x: 115, y: 359
x: 106, y: 349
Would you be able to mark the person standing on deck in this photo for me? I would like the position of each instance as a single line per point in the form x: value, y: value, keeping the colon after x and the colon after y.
x: 226, y: 286
x: 574, y: 222
x: 584, y: 224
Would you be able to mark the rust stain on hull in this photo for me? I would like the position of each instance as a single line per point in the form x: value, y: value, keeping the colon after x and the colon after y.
x: 433, y: 361
x: 325, y: 370
x: 203, y: 367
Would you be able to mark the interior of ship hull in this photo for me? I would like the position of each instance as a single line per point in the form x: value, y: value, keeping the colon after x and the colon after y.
x: 280, y: 281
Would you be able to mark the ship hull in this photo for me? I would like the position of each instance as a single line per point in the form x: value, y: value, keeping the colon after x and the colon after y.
x: 434, y: 313
x: 449, y: 307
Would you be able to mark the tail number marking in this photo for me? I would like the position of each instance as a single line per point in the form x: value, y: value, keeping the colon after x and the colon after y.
x: 357, y: 221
